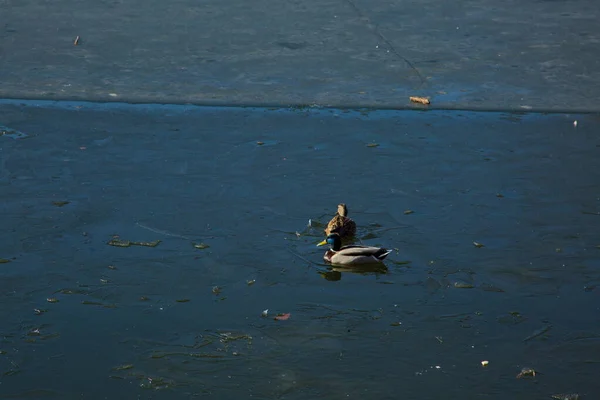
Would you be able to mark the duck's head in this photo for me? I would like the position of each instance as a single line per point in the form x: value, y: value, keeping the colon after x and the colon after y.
x: 342, y: 210
x: 334, y: 241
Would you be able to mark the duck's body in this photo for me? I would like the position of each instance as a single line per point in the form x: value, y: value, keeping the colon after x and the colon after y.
x: 352, y: 255
x: 341, y: 224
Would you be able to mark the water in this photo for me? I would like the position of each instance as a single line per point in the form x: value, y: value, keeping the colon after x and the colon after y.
x: 523, y: 185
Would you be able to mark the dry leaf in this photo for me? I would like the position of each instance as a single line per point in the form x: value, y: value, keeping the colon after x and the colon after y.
x: 422, y: 100
x: 478, y: 245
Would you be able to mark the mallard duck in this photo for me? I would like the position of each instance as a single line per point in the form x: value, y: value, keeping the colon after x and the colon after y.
x: 341, y: 224
x: 353, y: 254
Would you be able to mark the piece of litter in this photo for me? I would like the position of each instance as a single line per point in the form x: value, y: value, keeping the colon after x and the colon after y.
x: 422, y: 100
x: 112, y: 94
x: 250, y: 282
x: 575, y: 124
x: 265, y: 313
x: 282, y: 317
x: 76, y: 41
x: 484, y: 363
x: 478, y: 245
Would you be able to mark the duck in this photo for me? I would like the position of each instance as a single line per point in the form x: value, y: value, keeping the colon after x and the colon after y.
x: 352, y: 254
x: 341, y: 224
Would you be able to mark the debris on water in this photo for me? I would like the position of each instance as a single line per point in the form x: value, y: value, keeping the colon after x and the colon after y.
x: 478, y: 245
x: 526, y: 372
x: 52, y: 300
x: 558, y: 250
x: 111, y: 267
x: 372, y: 144
x: 127, y: 243
x: 484, y: 363
x: 408, y: 212
x: 260, y: 143
x: 396, y: 324
x: 60, y: 203
x: 216, y: 290
x: 566, y: 396
x: 96, y: 303
x: 421, y: 100
x: 439, y: 339
x: 500, y: 195
x: 4, y: 261
x: 463, y: 285
x: 201, y: 246
x: 122, y: 367
x: 575, y: 123
x: 538, y: 332
x: 155, y: 383
x: 182, y: 300
x: 251, y: 282
x: 104, y: 281
x: 265, y: 313
x: 144, y: 298
x: 282, y: 317
x: 39, y: 311
x: 76, y: 41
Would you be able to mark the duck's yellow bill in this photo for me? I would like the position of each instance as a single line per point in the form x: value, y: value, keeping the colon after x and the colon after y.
x: 323, y: 243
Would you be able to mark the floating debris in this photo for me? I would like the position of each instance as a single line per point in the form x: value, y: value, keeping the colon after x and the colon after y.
x: 421, y: 100
x: 463, y: 285
x: 478, y: 245
x: 4, y: 261
x: 500, y: 195
x: 111, y: 267
x: 127, y: 243
x: 396, y: 324
x: 526, y: 372
x: 39, y: 311
x: 265, y: 313
x: 52, y: 300
x: 250, y: 282
x: 104, y: 281
x: 200, y: 246
x: 439, y: 339
x: 485, y: 363
x: 182, y: 300
x: 408, y: 212
x: 216, y: 290
x: 259, y: 143
x: 96, y: 303
x: 282, y: 317
x: 60, y: 203
x: 144, y: 298
x: 372, y: 145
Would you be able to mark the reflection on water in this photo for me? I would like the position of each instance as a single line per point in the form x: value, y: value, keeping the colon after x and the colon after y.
x: 82, y: 317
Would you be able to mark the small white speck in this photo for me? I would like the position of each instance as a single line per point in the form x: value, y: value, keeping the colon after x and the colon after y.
x: 437, y: 367
x: 112, y: 94
x: 377, y: 46
x: 265, y: 312
x: 575, y: 124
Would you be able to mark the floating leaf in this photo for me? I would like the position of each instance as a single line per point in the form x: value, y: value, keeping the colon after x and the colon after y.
x: 127, y: 243
x: 182, y: 300
x: 251, y: 282
x: 408, y: 212
x: 484, y: 363
x: 500, y: 195
x: 422, y: 100
x: 104, y: 281
x: 478, y: 245
x: 60, y: 203
x: 144, y: 298
x: 283, y: 317
x: 372, y: 145
x: 265, y: 313
x: 201, y: 246
x: 112, y: 267
x: 4, y: 261
x: 52, y: 300
x: 396, y: 324
x: 260, y: 143
x: 216, y: 289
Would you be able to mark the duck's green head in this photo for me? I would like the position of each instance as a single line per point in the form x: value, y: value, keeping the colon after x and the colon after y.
x: 334, y: 241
